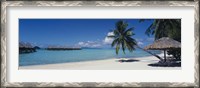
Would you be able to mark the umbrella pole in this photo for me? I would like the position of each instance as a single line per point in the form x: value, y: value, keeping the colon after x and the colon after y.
x: 164, y: 55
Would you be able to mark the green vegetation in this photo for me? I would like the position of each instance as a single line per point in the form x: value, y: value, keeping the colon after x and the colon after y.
x: 166, y: 28
x: 122, y: 37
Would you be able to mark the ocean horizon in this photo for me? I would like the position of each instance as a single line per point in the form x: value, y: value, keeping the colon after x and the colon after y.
x: 42, y: 56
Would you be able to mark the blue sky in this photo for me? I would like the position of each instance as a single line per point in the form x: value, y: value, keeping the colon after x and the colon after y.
x: 77, y: 32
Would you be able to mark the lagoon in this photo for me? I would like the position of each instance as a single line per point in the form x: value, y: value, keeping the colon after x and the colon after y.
x: 42, y: 57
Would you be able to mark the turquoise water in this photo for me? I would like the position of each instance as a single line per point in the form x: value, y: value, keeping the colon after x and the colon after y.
x: 51, y: 57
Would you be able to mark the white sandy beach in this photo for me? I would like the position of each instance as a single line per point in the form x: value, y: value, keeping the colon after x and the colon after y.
x: 108, y: 64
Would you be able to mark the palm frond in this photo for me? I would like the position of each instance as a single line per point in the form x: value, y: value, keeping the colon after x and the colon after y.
x: 117, y: 47
x: 114, y: 42
x: 149, y: 30
x: 129, y: 32
x: 122, y: 37
x: 111, y: 36
x: 141, y: 20
x: 123, y: 46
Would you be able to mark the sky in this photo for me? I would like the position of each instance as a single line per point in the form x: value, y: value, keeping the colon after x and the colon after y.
x: 78, y: 32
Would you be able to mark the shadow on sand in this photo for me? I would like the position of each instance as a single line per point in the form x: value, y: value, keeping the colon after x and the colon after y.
x: 166, y: 64
x: 128, y: 60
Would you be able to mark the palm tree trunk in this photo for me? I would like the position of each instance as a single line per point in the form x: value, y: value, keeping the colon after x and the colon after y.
x: 164, y: 55
x: 161, y: 59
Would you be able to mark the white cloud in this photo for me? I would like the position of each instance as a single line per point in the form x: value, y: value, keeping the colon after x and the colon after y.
x: 110, y: 34
x: 81, y: 43
x: 108, y: 40
x: 92, y: 44
x: 98, y: 43
x: 140, y: 43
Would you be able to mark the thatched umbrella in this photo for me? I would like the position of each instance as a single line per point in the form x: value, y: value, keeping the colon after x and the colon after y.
x: 164, y: 43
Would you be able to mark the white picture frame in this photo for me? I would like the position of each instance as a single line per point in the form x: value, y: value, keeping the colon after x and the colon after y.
x: 5, y: 39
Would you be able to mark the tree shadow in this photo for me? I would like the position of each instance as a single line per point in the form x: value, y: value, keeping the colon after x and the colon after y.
x: 128, y: 60
x: 166, y: 64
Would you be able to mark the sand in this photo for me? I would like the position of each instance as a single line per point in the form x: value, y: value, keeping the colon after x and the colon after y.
x: 108, y: 64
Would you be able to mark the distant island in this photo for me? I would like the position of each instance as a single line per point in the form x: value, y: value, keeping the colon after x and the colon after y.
x: 60, y: 48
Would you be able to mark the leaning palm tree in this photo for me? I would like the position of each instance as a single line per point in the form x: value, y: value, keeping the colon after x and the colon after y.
x: 123, y: 37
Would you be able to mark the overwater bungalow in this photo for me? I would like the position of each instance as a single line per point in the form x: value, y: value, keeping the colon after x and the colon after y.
x: 26, y: 48
x: 62, y: 48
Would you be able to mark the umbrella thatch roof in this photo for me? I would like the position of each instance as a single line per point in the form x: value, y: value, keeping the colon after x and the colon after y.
x: 164, y: 43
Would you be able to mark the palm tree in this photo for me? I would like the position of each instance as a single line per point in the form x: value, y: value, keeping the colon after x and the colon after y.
x: 123, y: 37
x: 165, y: 28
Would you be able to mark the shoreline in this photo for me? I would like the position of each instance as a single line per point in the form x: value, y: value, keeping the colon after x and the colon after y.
x: 85, y: 61
x: 138, y: 63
